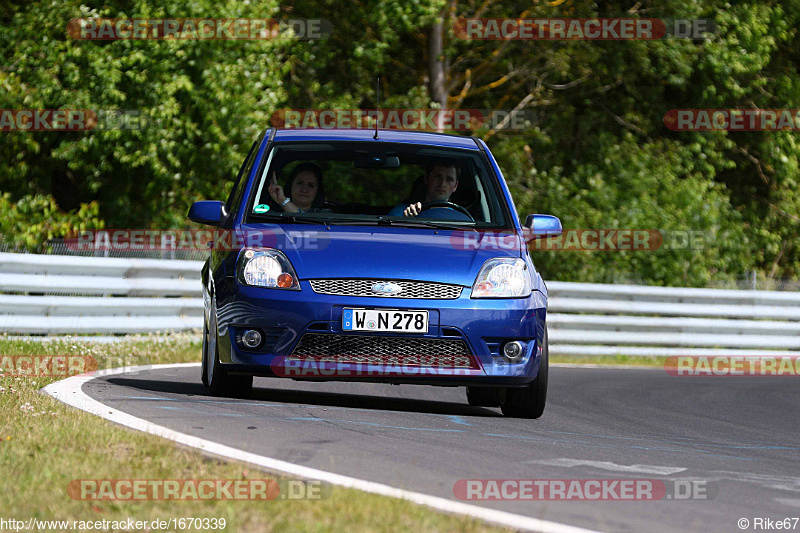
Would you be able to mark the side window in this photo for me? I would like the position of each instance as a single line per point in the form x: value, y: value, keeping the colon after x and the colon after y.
x: 241, y: 180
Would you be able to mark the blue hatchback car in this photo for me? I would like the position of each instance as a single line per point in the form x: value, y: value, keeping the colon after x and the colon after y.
x: 388, y: 256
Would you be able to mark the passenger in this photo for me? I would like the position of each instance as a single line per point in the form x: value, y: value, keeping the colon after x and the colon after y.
x: 305, y: 188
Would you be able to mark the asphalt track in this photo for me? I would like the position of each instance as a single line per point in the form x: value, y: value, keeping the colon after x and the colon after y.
x: 735, y: 436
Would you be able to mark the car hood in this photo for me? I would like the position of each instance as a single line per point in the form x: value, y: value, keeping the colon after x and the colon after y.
x: 445, y: 256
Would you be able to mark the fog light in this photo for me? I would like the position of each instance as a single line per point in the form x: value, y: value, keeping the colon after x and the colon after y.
x: 251, y: 338
x: 512, y: 351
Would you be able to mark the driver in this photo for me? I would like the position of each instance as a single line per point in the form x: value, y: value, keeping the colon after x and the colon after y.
x: 441, y: 181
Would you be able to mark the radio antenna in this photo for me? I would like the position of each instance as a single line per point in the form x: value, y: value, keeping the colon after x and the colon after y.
x: 378, y: 105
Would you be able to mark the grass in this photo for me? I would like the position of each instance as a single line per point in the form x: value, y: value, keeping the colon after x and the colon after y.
x: 45, y: 444
x: 616, y: 360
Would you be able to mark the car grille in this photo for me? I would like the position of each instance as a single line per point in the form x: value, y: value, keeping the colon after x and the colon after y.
x: 363, y: 287
x: 380, y: 350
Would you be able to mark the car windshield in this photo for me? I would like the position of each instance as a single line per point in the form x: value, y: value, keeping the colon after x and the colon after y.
x: 371, y: 183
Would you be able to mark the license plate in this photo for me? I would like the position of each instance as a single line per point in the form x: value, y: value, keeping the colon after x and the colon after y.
x: 393, y: 320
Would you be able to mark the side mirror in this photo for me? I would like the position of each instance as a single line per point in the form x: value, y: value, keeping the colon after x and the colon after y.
x: 209, y: 212
x: 542, y: 226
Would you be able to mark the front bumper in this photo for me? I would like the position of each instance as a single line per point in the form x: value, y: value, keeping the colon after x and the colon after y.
x: 284, y: 317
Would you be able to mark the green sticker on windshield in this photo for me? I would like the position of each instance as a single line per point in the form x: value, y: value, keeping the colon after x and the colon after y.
x: 261, y: 208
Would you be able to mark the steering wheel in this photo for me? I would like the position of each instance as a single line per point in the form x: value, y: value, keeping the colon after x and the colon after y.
x: 451, y: 205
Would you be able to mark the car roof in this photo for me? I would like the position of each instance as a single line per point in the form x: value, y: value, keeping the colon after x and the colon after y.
x: 394, y: 136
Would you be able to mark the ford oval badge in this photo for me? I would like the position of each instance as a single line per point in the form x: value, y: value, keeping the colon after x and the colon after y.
x: 386, y: 288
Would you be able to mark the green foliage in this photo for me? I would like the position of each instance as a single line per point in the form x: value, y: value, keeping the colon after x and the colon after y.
x: 639, y: 187
x: 33, y: 220
x: 202, y: 104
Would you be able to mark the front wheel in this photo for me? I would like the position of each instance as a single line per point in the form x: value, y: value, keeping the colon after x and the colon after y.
x: 217, y: 378
x: 528, y: 402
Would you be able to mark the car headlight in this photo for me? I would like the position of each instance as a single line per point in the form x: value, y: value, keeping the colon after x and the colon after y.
x: 266, y: 267
x: 502, y: 277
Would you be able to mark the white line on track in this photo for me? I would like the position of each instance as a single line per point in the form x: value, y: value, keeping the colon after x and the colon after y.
x: 608, y: 367
x: 70, y: 392
x: 607, y: 465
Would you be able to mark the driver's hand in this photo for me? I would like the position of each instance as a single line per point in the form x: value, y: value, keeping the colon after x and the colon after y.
x: 413, y: 210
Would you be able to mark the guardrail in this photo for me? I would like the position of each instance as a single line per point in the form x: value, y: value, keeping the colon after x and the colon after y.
x: 597, y: 319
x: 46, y: 294
x: 54, y: 294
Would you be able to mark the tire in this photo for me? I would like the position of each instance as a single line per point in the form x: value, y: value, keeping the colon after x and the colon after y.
x: 485, y: 396
x: 217, y: 378
x: 204, y: 365
x: 528, y: 402
x: 205, y: 358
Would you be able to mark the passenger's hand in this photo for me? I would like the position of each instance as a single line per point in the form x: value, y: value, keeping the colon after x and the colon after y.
x: 275, y: 190
x: 413, y: 210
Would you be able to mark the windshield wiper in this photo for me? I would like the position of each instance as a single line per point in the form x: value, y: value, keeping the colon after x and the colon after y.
x: 383, y: 221
x: 416, y: 223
